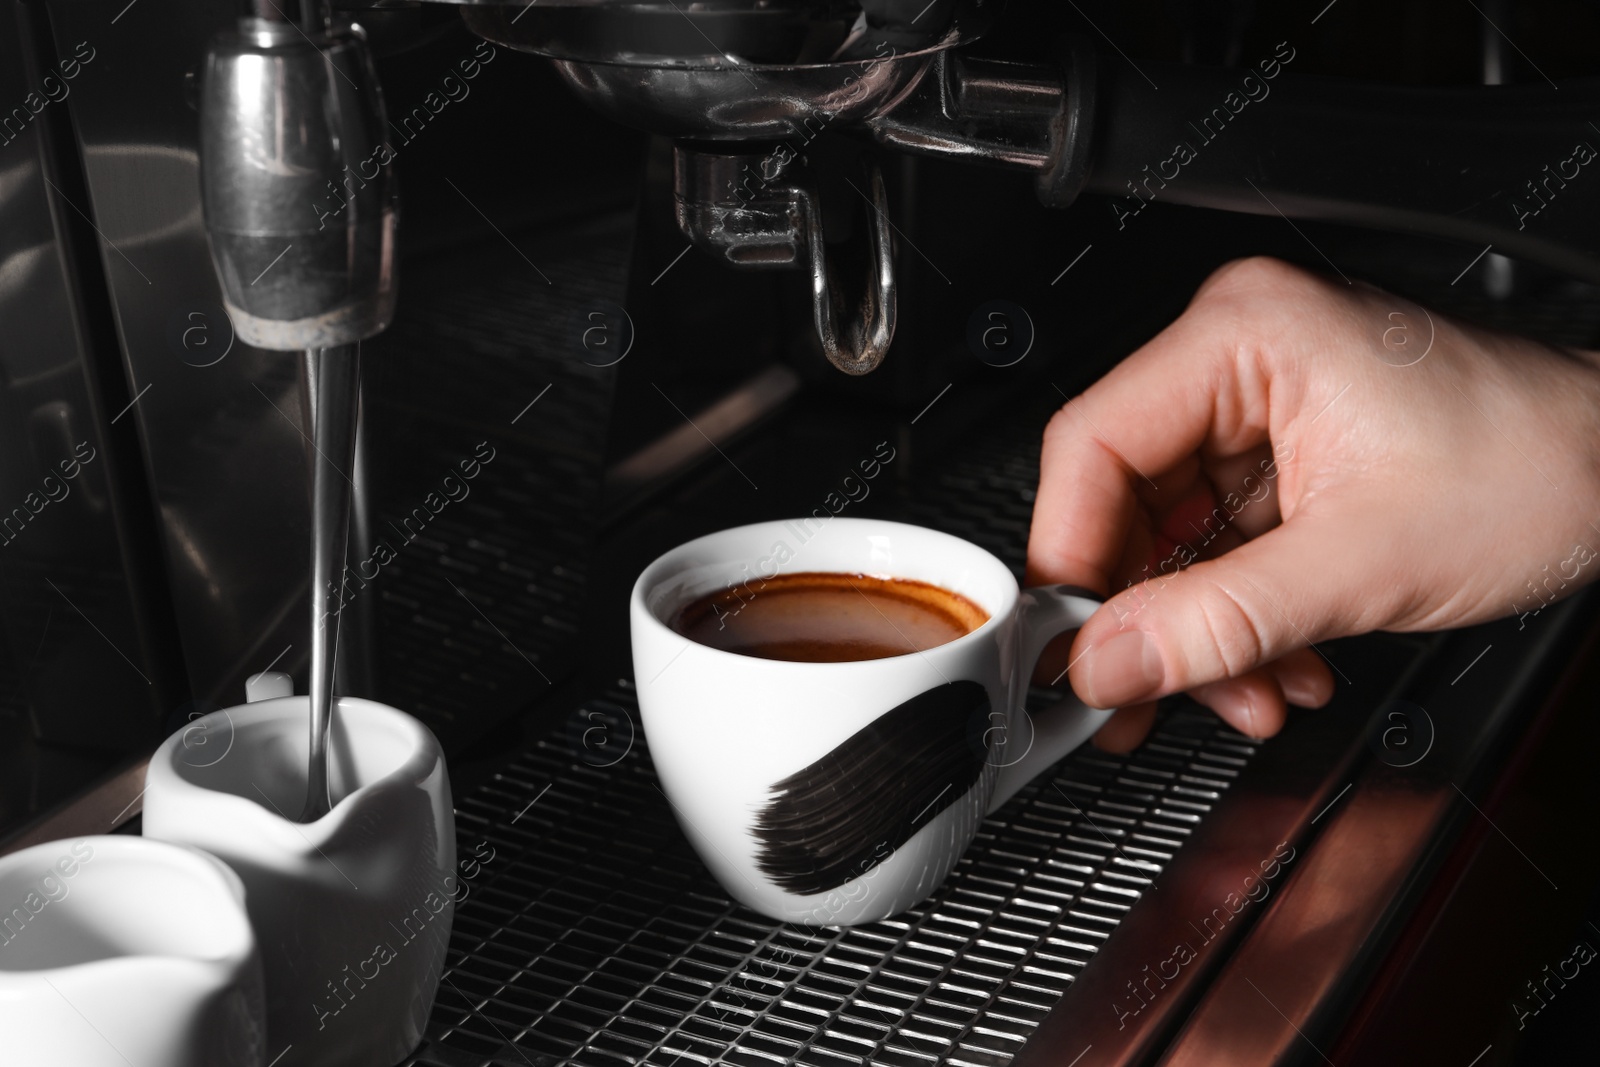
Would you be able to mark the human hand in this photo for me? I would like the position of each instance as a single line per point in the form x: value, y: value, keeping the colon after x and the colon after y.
x: 1332, y: 460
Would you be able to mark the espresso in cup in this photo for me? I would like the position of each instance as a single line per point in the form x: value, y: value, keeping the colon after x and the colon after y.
x: 816, y: 617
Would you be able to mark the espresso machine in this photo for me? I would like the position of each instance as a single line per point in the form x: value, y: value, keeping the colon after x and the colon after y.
x: 540, y: 290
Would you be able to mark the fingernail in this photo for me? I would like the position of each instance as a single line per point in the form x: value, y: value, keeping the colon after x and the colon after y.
x: 1123, y: 669
x: 1302, y: 692
x: 1297, y: 692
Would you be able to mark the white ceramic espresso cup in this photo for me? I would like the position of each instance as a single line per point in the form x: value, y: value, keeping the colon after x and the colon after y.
x: 352, y: 911
x: 842, y: 793
x: 122, y: 952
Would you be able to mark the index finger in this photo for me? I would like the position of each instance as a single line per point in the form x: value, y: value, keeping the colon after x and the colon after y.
x: 1186, y: 389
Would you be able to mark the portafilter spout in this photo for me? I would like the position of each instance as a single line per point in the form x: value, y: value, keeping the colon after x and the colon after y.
x: 1479, y: 165
x: 301, y: 209
x: 742, y: 89
x: 756, y: 210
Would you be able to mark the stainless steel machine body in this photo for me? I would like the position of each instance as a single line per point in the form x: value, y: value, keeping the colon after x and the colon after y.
x: 297, y: 185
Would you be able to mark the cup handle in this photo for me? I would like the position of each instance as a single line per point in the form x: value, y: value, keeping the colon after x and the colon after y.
x: 1046, y: 612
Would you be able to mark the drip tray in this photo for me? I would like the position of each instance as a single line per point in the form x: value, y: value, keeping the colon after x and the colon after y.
x: 590, y: 933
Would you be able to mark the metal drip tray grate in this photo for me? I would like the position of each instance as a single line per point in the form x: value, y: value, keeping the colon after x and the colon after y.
x: 591, y: 933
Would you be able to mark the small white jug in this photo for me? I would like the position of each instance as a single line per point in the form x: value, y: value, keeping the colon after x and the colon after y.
x: 121, y: 952
x: 352, y: 911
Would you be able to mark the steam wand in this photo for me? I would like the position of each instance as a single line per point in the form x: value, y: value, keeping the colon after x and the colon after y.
x: 304, y: 251
x: 336, y: 372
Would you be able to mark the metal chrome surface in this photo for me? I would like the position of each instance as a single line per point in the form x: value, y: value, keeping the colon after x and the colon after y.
x: 745, y: 208
x: 220, y: 431
x: 111, y: 803
x: 217, y: 423
x: 336, y: 402
x: 88, y: 663
x: 736, y: 33
x: 982, y: 111
x: 593, y: 935
x: 701, y: 90
x: 854, y: 334
x: 743, y: 73
x: 1281, y: 992
x: 1028, y: 116
x: 297, y: 186
x: 731, y: 102
x: 1156, y: 964
x: 762, y: 211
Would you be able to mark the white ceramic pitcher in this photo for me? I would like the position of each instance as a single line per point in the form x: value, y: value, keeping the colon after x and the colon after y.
x: 352, y: 911
x: 121, y: 952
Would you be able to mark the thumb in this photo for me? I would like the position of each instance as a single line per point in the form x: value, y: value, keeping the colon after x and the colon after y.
x: 1221, y: 618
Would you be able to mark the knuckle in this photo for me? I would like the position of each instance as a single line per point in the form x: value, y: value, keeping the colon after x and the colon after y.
x: 1253, y: 276
x: 1237, y: 641
x: 1062, y: 424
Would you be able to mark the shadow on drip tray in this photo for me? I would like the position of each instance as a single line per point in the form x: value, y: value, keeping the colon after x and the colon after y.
x: 485, y: 431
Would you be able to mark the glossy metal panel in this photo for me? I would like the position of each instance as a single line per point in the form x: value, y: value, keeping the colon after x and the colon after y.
x: 82, y: 673
x: 1281, y: 994
x: 779, y: 224
x: 1161, y: 957
x: 219, y: 421
x: 736, y: 72
x: 297, y: 185
x: 1257, y: 937
x: 222, y: 423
